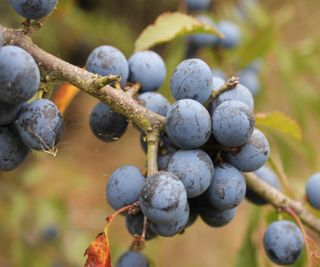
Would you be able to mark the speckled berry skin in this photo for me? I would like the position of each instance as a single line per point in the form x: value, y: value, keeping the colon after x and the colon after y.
x: 163, y: 198
x: 196, y: 5
x: 251, y: 80
x: 239, y: 93
x: 268, y: 176
x: 194, y: 168
x: 107, y: 60
x: 134, y: 224
x: 213, y: 216
x: 283, y: 242
x: 232, y: 123
x: 132, y: 259
x: 12, y: 150
x: 253, y: 155
x: 174, y: 227
x: 231, y: 32
x: 155, y: 102
x: 40, y: 125
x: 147, y: 68
x: 19, y: 75
x: 33, y: 9
x: 124, y: 186
x: 9, y: 112
x: 106, y: 124
x: 227, y: 188
x: 313, y: 189
x: 202, y: 39
x: 192, y: 79
x: 188, y: 124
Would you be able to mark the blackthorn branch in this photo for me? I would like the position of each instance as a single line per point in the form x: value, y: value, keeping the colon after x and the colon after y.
x: 90, y: 83
x: 151, y: 123
x: 279, y: 200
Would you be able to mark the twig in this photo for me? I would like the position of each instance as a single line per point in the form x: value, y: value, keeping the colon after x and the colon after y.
x: 282, y: 176
x: 86, y: 81
x: 151, y: 123
x: 132, y: 89
x: 145, y: 227
x: 279, y: 200
x: 152, y: 157
x: 304, y: 232
x: 32, y: 26
x: 228, y: 85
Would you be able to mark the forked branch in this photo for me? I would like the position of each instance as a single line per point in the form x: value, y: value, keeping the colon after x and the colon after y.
x: 151, y: 123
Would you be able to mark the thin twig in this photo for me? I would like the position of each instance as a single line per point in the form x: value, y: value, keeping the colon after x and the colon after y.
x: 279, y: 200
x: 32, y: 26
x: 151, y: 123
x: 282, y: 176
x: 133, y: 89
x: 145, y: 227
x: 304, y: 232
x: 86, y: 81
x: 228, y: 85
x: 152, y: 157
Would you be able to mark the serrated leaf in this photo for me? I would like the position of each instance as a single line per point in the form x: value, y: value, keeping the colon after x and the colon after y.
x: 247, y: 256
x: 169, y: 26
x: 280, y: 122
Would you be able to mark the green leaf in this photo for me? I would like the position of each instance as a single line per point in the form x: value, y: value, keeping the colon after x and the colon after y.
x: 279, y: 122
x: 247, y: 256
x: 169, y: 26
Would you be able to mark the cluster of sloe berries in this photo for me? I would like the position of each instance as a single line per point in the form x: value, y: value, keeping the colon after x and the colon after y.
x: 210, y: 139
x: 249, y: 76
x: 207, y: 146
x: 24, y: 124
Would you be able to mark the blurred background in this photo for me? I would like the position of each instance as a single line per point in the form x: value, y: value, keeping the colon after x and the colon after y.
x: 51, y: 208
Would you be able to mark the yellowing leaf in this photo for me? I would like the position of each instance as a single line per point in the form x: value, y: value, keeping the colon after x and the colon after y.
x: 279, y: 122
x: 64, y: 96
x: 170, y: 25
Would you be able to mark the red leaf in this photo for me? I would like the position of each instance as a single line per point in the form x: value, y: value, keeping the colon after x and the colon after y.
x: 98, y: 252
